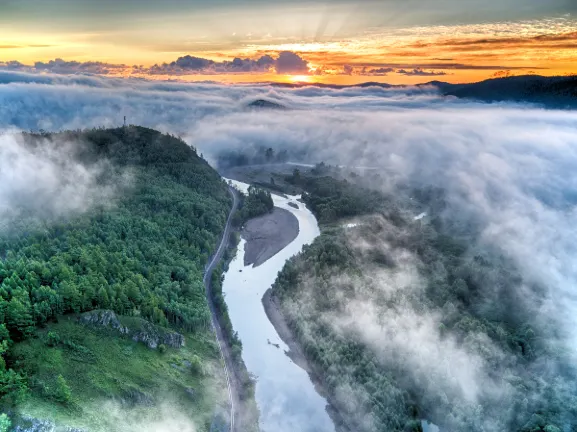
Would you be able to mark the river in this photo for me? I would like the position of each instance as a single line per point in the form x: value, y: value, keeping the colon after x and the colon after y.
x: 285, y: 395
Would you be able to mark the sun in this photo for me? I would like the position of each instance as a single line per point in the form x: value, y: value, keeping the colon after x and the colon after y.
x: 300, y: 78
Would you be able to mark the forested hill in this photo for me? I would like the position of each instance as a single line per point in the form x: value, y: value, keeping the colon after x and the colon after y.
x: 404, y: 315
x: 139, y: 146
x: 552, y: 92
x: 141, y: 253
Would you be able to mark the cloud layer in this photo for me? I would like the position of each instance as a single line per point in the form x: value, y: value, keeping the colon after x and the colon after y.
x: 509, y: 168
x: 44, y: 180
x: 283, y: 63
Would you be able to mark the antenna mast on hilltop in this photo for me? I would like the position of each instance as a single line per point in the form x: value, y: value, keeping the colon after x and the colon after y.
x: 124, y: 121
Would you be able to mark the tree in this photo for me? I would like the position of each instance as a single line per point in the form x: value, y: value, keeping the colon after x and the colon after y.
x: 5, y: 423
x: 52, y: 339
x: 102, y: 298
x: 19, y: 319
x: 196, y: 365
x: 61, y: 392
x: 296, y: 177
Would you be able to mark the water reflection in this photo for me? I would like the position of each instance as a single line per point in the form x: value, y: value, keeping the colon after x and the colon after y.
x: 286, y: 397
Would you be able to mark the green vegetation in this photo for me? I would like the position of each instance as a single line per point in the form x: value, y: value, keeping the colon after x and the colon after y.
x: 331, y: 199
x: 256, y: 203
x: 5, y: 423
x: 471, y: 293
x: 96, y: 379
x: 141, y: 255
x: 256, y: 156
x: 246, y: 383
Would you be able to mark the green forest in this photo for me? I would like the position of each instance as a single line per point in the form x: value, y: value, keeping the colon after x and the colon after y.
x: 141, y: 255
x: 471, y: 293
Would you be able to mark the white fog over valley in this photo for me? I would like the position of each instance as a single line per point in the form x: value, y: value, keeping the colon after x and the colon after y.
x: 508, y: 169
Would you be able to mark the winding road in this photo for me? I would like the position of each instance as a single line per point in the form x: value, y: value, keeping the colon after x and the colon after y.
x: 228, y: 363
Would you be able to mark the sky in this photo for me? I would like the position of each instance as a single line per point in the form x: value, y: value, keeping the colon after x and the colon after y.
x: 338, y: 41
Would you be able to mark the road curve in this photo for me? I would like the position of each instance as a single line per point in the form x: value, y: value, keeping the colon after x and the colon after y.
x: 228, y: 365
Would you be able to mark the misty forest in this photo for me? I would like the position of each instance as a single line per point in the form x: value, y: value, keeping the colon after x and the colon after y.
x: 139, y: 251
x: 432, y: 288
x: 288, y: 216
x: 407, y: 318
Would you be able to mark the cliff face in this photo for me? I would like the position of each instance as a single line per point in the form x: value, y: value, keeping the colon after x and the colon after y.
x: 103, y: 318
x: 153, y: 336
x: 139, y: 329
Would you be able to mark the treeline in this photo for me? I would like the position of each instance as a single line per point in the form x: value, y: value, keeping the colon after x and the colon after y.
x: 330, y: 198
x: 476, y: 292
x: 144, y: 256
x: 251, y: 156
x: 256, y: 203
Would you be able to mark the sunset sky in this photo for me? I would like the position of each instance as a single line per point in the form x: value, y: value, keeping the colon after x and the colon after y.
x: 339, y: 41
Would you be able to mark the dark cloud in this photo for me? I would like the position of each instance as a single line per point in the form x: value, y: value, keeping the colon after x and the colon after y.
x: 192, y: 63
x: 420, y: 72
x: 348, y: 70
x: 377, y: 71
x: 290, y: 63
x: 12, y: 65
x: 286, y: 62
x: 60, y: 66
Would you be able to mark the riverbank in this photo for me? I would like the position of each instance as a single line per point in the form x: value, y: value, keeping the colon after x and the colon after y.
x: 287, y: 400
x: 273, y: 311
x: 275, y: 316
x: 267, y: 235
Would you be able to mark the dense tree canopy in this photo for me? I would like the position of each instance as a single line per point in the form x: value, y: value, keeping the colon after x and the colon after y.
x: 474, y: 291
x: 256, y: 203
x: 143, y: 254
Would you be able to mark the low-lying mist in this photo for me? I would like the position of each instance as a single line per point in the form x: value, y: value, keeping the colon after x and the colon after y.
x: 43, y: 179
x: 506, y: 169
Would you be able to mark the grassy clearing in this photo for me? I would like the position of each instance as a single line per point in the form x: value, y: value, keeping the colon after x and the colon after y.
x: 115, y: 383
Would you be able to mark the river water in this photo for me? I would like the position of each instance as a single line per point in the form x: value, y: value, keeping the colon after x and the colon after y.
x: 286, y: 397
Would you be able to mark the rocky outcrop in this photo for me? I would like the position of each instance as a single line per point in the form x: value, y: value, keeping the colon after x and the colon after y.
x: 140, y: 330
x: 103, y: 318
x: 153, y: 336
x: 29, y: 424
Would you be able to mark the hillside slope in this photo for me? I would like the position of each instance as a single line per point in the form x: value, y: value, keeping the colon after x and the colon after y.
x: 404, y: 316
x: 140, y: 253
x: 553, y: 92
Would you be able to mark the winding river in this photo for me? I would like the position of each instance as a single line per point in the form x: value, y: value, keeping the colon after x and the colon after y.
x: 286, y: 397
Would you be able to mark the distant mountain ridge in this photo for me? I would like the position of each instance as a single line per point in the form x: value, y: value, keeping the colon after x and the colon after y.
x: 551, y: 92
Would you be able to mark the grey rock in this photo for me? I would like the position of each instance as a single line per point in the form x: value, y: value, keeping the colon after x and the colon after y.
x: 190, y: 392
x: 103, y: 318
x: 30, y: 424
x: 153, y: 336
x: 149, y: 334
